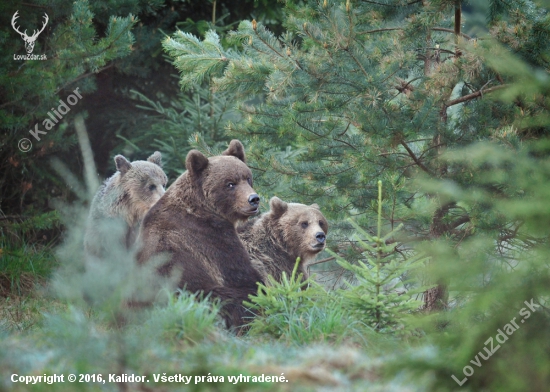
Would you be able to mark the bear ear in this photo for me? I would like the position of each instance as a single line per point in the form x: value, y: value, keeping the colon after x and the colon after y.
x: 196, y: 162
x: 316, y: 206
x: 122, y: 164
x: 156, y: 158
x: 277, y: 206
x: 235, y: 149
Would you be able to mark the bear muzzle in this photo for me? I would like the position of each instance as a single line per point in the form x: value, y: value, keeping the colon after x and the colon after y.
x: 320, y: 237
x: 254, y: 201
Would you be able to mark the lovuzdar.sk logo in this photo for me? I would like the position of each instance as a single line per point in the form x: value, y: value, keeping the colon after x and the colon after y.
x: 29, y: 40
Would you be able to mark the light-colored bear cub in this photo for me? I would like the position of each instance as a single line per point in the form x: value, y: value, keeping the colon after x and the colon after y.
x: 121, y: 203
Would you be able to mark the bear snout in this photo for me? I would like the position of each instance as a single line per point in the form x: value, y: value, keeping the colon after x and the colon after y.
x: 254, y: 200
x: 320, y: 237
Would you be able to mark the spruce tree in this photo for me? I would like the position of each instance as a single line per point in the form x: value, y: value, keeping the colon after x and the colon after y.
x: 379, y: 296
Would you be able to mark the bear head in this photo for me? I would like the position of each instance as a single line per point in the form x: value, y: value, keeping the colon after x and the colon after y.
x: 303, y: 228
x: 143, y: 183
x: 224, y: 182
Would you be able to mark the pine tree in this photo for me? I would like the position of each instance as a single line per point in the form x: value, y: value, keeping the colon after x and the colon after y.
x: 75, y: 51
x: 455, y: 124
x: 196, y: 119
x: 367, y: 91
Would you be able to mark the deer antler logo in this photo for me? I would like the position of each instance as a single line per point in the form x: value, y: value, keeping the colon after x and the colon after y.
x: 29, y: 41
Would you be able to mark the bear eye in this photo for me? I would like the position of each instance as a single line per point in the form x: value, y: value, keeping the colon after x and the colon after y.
x: 231, y: 185
x: 321, y: 223
x: 249, y: 180
x: 304, y: 225
x: 152, y: 187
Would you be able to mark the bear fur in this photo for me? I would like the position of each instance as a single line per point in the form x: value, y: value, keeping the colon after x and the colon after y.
x: 121, y: 202
x: 193, y: 225
x: 288, y: 231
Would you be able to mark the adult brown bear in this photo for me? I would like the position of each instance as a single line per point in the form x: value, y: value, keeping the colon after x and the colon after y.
x: 193, y: 224
x: 279, y: 236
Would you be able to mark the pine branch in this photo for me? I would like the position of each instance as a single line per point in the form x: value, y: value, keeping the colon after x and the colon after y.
x: 441, y: 29
x: 415, y: 158
x: 273, y: 49
x: 456, y: 223
x: 391, y: 5
x: 452, y: 31
x: 471, y: 96
x: 380, y: 30
x: 322, y: 261
x: 357, y: 62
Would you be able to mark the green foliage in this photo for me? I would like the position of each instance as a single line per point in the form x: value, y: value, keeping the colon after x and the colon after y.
x: 300, y: 311
x: 195, y: 120
x: 292, y: 289
x: 75, y: 49
x: 352, y: 93
x: 45, y: 221
x: 221, y: 16
x: 182, y: 337
x: 361, y: 96
x: 22, y: 266
x: 21, y: 313
x: 106, y: 48
x: 380, y: 295
x: 366, y: 91
x: 210, y: 61
x: 26, y: 252
x: 492, y: 278
x: 185, y: 318
x: 503, y: 265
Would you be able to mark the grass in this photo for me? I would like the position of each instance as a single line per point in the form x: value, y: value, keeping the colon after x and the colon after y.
x: 23, y: 265
x: 301, y: 334
x: 69, y: 340
x: 25, y: 270
x: 20, y: 313
x: 185, y: 336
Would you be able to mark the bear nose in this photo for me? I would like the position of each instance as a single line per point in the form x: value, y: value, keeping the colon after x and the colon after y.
x: 320, y: 236
x: 254, y: 200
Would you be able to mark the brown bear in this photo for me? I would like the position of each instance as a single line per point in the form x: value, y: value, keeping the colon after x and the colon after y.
x: 193, y: 225
x: 288, y: 231
x: 120, y: 204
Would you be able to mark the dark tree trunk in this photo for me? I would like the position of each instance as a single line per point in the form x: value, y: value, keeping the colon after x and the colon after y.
x: 435, y: 298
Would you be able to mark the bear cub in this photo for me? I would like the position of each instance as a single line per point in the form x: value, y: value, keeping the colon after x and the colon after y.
x: 276, y: 238
x: 121, y: 202
x: 193, y: 225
